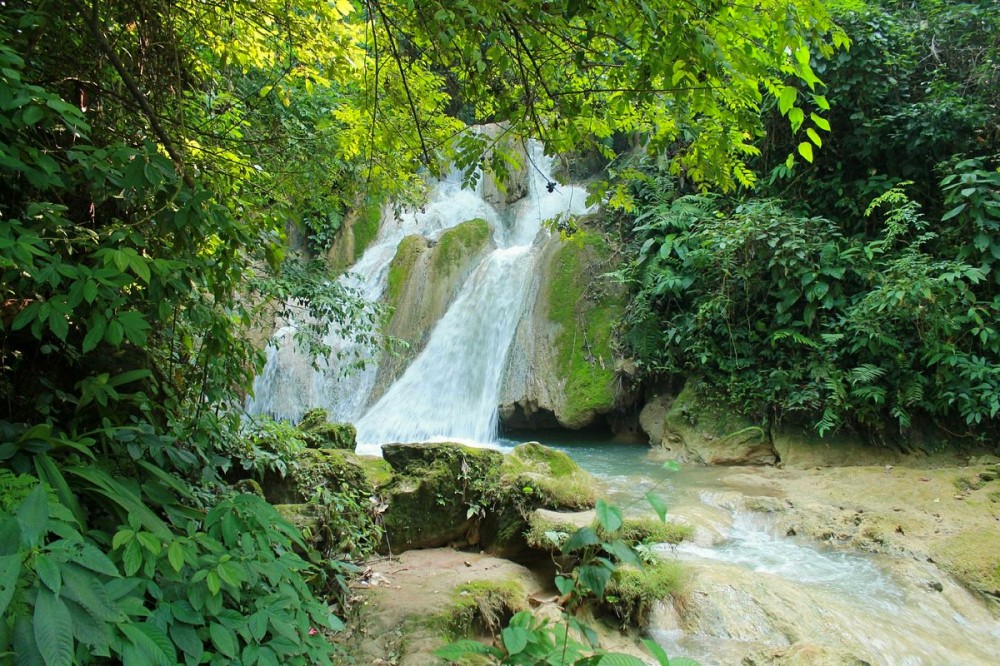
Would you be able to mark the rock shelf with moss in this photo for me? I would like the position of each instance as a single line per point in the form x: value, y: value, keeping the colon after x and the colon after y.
x: 585, y: 310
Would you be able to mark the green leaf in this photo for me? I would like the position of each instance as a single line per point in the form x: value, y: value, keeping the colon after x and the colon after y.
x: 10, y: 571
x: 33, y: 516
x: 582, y: 538
x: 223, y: 639
x: 624, y: 552
x: 806, y: 151
x: 610, y: 517
x: 564, y: 585
x: 48, y: 573
x: 595, y: 578
x: 152, y: 643
x: 258, y: 625
x: 25, y: 647
x: 786, y: 99
x: 814, y: 137
x: 463, y: 648
x: 53, y: 629
x: 186, y: 638
x: 50, y: 474
x: 658, y: 652
x: 32, y: 114
x: 86, y: 589
x: 683, y: 661
x: 515, y: 639
x: 820, y: 122
x: 659, y: 505
x: 175, y: 555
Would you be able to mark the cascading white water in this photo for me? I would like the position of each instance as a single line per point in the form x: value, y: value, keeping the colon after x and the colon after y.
x: 451, y: 390
x: 289, y: 384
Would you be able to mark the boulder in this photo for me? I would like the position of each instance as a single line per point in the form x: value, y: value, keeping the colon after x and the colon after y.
x: 326, y: 468
x: 437, y: 493
x: 319, y: 432
x: 561, y: 369
x: 653, y: 416
x: 695, y: 430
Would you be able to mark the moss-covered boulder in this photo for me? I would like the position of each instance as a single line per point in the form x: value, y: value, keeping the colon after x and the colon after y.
x: 562, y: 370
x: 437, y: 494
x: 548, y: 478
x: 358, y: 229
x: 319, y: 432
x: 697, y: 430
x: 532, y: 477
x: 331, y: 469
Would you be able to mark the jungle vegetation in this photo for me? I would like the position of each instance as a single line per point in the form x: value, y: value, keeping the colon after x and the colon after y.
x: 155, y: 155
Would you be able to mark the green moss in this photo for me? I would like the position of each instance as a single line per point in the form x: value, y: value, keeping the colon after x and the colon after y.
x: 366, y: 228
x: 434, y: 488
x: 544, y: 477
x: 480, y: 607
x: 633, y: 592
x: 460, y: 242
x: 586, y: 314
x: 964, y: 483
x: 318, y: 432
x: 538, y: 530
x: 409, y: 250
x: 653, y: 530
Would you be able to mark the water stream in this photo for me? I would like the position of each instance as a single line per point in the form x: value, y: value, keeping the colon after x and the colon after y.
x: 755, y: 591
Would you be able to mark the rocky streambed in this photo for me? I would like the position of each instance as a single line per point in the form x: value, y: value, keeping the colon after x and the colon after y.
x: 823, y: 565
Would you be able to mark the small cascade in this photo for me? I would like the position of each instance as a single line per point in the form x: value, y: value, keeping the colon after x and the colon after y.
x: 289, y: 384
x: 451, y: 390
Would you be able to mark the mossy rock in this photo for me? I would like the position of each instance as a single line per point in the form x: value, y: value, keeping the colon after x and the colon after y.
x: 480, y: 608
x: 697, y: 430
x: 458, y: 244
x: 633, y: 591
x: 585, y: 311
x: 407, y: 253
x: 319, y: 432
x: 433, y: 489
x: 329, y: 468
x: 548, y: 478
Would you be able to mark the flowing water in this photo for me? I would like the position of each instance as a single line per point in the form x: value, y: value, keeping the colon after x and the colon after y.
x: 755, y: 591
x: 451, y: 390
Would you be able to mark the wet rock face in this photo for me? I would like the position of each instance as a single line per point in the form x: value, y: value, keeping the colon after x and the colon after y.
x: 692, y: 429
x: 562, y: 368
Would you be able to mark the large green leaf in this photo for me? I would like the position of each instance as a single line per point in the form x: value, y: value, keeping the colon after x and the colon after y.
x: 610, y: 517
x: 33, y: 516
x: 50, y: 474
x: 106, y: 485
x: 53, y: 629
x: 659, y: 505
x: 515, y: 639
x: 595, y: 578
x: 85, y: 588
x: 10, y: 571
x: 582, y: 538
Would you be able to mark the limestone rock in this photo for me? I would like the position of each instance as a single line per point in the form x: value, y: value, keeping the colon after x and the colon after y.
x: 697, y: 431
x: 561, y: 370
x: 653, y: 416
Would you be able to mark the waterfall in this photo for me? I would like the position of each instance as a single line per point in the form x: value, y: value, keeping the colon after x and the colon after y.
x: 451, y: 390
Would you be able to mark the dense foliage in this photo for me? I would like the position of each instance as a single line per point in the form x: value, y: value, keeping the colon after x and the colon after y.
x: 861, y: 290
x: 155, y: 156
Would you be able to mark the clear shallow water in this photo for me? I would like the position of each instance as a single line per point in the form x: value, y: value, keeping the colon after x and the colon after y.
x: 756, y: 591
